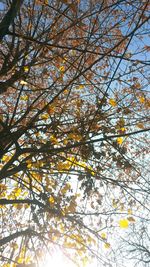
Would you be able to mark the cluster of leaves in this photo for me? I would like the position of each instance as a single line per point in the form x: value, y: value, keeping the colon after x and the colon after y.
x: 73, y: 125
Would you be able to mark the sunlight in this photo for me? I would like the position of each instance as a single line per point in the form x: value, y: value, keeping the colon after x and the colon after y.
x: 57, y: 260
x: 60, y: 260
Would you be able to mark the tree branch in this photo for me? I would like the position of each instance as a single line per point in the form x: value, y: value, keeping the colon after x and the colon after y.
x: 27, y: 232
x: 64, y: 148
x: 9, y: 17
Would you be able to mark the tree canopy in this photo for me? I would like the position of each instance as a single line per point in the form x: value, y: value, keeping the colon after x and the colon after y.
x: 74, y: 129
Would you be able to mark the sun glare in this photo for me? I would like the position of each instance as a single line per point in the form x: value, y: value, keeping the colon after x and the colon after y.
x: 57, y: 260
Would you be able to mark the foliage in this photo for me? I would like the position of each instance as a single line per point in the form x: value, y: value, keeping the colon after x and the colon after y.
x: 73, y: 126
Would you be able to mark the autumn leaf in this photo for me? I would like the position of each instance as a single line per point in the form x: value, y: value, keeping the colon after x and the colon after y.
x: 3, y: 187
x: 147, y: 47
x: 129, y: 211
x: 45, y: 116
x: 74, y: 136
x: 62, y: 69
x: 29, y: 164
x: 51, y: 110
x: 26, y: 68
x: 72, y: 207
x: 123, y: 223
x: 1, y: 117
x: 131, y: 219
x: 85, y: 261
x: 107, y: 245
x: 64, y: 59
x: 142, y: 99
x: 122, y: 130
x: 81, y: 86
x: 54, y: 120
x: 103, y: 236
x: 119, y: 140
x: 140, y: 125
x: 17, y: 192
x: 137, y: 85
x: 24, y: 98
x: 128, y: 55
x: 112, y: 102
x: 51, y: 200
x: 23, y: 82
x: 53, y: 139
x: 65, y: 188
x: 6, y: 158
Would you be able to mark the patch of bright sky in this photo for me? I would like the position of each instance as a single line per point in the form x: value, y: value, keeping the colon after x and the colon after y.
x: 58, y: 259
x: 2, y: 5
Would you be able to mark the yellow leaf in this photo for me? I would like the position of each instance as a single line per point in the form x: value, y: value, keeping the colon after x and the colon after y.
x: 129, y: 211
x: 66, y: 92
x: 65, y: 141
x: 26, y: 68
x: 51, y: 200
x: 103, y: 236
x: 24, y: 98
x: 112, y: 102
x: 65, y: 188
x: 123, y: 223
x: 142, y: 99
x: 18, y: 206
x: 90, y: 169
x: 27, y: 259
x: 54, y: 140
x: 63, y: 166
x: 85, y: 261
x: 74, y: 136
x: 107, y: 245
x: 119, y: 140
x: 81, y: 86
x: 82, y: 164
x: 23, y: 82
x: 122, y: 129
x: 17, y: 192
x: 20, y: 260
x: 62, y: 69
x: 45, y: 116
x: 6, y: 158
x: 29, y: 165
x: 64, y: 60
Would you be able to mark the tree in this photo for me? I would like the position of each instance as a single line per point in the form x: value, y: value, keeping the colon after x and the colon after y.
x: 135, y: 247
x: 73, y: 125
